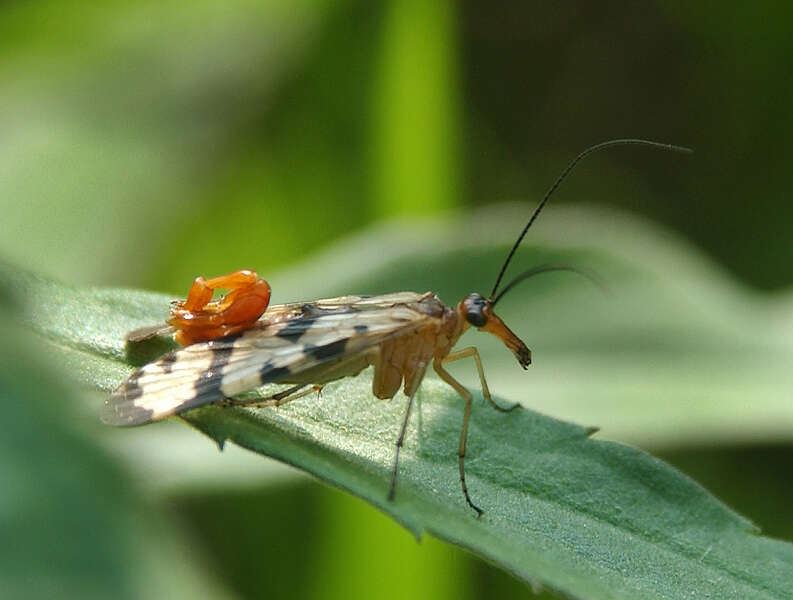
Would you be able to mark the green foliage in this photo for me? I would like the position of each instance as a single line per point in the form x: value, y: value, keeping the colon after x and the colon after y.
x: 592, y: 518
x: 73, y: 523
x: 144, y: 143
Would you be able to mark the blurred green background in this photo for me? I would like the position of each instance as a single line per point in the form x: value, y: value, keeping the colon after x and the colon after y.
x: 144, y: 143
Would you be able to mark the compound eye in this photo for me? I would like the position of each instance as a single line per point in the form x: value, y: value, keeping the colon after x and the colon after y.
x: 474, y: 306
x: 476, y: 318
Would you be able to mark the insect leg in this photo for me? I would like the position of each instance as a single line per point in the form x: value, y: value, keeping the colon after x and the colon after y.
x: 472, y: 351
x: 278, y: 399
x: 399, y: 442
x: 446, y: 376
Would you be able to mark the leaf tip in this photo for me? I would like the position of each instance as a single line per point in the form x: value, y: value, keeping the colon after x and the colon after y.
x: 214, y: 433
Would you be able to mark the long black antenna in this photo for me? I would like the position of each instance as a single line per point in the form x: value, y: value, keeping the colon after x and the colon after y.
x: 552, y: 189
x: 546, y: 269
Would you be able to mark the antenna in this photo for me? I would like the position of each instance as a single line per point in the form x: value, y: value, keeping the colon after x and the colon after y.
x: 565, y: 173
x: 547, y: 269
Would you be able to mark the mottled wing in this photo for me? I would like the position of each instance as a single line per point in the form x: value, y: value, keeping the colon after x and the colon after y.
x: 290, y: 339
x: 144, y: 333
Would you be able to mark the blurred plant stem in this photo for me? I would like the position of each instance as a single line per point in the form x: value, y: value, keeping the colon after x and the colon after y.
x: 361, y: 550
x: 416, y: 108
x: 415, y: 169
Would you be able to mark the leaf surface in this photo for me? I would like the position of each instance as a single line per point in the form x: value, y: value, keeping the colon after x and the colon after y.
x: 593, y: 518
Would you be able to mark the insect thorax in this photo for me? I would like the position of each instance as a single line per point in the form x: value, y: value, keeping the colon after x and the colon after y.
x: 407, y: 356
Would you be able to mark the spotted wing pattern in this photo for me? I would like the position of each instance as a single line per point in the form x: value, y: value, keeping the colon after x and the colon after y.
x: 288, y: 341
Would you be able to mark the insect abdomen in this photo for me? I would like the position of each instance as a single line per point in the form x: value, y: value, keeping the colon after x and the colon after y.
x: 403, y: 358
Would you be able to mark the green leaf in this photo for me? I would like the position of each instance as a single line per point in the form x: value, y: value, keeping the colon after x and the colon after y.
x: 592, y: 518
x: 73, y: 523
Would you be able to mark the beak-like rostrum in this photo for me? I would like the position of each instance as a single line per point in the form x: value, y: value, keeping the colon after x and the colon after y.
x: 479, y: 313
x: 496, y: 326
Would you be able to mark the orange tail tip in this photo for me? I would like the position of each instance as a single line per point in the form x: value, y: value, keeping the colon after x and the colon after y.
x: 199, y: 318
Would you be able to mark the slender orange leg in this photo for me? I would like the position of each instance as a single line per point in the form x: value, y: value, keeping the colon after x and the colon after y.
x: 474, y: 353
x: 278, y: 399
x: 400, y: 441
x: 447, y: 377
x: 466, y: 395
x: 198, y: 318
x: 410, y: 391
